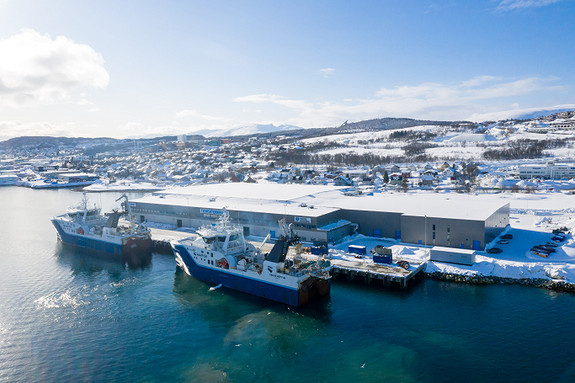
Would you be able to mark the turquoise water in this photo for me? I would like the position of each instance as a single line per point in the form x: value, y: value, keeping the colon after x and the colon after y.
x: 65, y: 316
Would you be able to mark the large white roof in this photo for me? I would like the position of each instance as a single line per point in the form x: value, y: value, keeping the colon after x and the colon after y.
x: 262, y: 191
x: 440, y: 205
x: 291, y: 198
x: 240, y: 204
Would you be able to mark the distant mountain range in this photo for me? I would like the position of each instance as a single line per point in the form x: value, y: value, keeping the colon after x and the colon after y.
x: 360, y: 126
x: 239, y: 133
x: 246, y: 130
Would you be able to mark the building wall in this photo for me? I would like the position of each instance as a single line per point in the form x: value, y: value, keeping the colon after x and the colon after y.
x: 340, y: 232
x: 254, y: 223
x: 553, y: 171
x: 442, y: 231
x: 496, y: 223
x: 327, y: 218
x: 374, y: 223
x: 312, y: 235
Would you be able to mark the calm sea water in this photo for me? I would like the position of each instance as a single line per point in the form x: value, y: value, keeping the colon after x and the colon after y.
x: 66, y: 316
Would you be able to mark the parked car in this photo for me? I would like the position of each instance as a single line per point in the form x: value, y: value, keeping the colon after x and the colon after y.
x: 494, y: 250
x: 507, y: 236
x: 541, y: 254
x: 542, y: 249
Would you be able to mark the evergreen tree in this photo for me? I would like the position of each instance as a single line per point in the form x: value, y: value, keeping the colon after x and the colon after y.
x: 404, y: 184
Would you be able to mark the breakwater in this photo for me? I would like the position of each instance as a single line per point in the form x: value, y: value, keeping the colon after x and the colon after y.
x: 554, y: 285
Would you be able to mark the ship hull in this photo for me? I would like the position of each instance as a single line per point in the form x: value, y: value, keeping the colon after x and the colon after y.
x: 58, y: 185
x: 311, y: 289
x: 126, y: 251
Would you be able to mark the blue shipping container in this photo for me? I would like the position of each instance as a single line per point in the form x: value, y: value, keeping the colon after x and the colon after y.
x: 319, y: 250
x: 355, y: 249
x: 377, y: 258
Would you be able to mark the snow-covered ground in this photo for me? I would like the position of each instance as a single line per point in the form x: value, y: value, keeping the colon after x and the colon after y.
x: 123, y: 186
x: 467, y: 152
x: 451, y: 142
x: 533, y: 217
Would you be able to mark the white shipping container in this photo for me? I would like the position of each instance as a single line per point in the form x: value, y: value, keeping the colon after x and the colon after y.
x: 452, y: 255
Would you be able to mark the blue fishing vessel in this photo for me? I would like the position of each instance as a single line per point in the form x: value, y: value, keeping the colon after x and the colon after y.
x: 87, y: 228
x: 220, y: 255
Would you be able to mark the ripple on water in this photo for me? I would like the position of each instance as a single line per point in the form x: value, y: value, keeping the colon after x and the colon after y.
x: 59, y: 299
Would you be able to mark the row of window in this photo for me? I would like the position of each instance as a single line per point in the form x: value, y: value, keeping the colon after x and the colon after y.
x: 448, y: 235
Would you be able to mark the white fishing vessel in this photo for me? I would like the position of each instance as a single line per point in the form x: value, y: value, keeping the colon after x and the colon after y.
x: 85, y: 227
x: 221, y: 255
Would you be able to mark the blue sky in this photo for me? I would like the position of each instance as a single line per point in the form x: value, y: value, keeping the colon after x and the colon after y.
x: 141, y: 68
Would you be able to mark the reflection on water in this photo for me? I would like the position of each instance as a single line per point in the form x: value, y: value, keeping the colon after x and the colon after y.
x: 193, y: 292
x: 83, y: 261
x: 252, y: 339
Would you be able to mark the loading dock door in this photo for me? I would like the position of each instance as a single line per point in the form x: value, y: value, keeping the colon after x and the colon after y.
x: 397, y: 234
x: 476, y: 245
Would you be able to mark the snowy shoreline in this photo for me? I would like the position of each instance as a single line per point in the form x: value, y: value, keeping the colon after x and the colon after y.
x: 554, y: 285
x: 533, y: 217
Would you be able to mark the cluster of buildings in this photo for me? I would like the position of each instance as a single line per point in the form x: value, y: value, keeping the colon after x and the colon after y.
x: 168, y: 163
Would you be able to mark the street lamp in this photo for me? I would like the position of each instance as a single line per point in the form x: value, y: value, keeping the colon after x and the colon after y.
x: 425, y: 235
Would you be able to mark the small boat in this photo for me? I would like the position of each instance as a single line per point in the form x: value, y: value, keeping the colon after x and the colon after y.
x: 85, y: 227
x: 220, y: 255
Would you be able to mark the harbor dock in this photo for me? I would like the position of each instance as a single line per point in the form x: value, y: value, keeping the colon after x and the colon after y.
x: 388, y: 274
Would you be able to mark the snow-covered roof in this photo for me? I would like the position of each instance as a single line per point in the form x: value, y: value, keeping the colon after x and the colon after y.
x: 452, y: 205
x: 317, y: 200
x: 262, y: 191
x: 240, y: 204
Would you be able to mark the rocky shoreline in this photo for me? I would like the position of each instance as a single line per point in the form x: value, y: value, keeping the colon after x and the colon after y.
x: 555, y: 285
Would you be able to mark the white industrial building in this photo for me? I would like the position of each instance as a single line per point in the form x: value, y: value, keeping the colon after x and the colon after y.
x: 321, y: 213
x: 550, y: 170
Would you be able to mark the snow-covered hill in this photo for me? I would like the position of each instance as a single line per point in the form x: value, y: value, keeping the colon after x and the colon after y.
x: 549, y: 136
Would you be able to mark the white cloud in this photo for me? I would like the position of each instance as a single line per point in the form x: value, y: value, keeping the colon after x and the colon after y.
x: 274, y: 99
x: 194, y: 115
x: 478, y: 88
x: 516, y: 112
x: 510, y: 5
x: 192, y: 121
x: 9, y: 129
x: 326, y: 72
x: 481, y: 94
x: 36, y: 68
